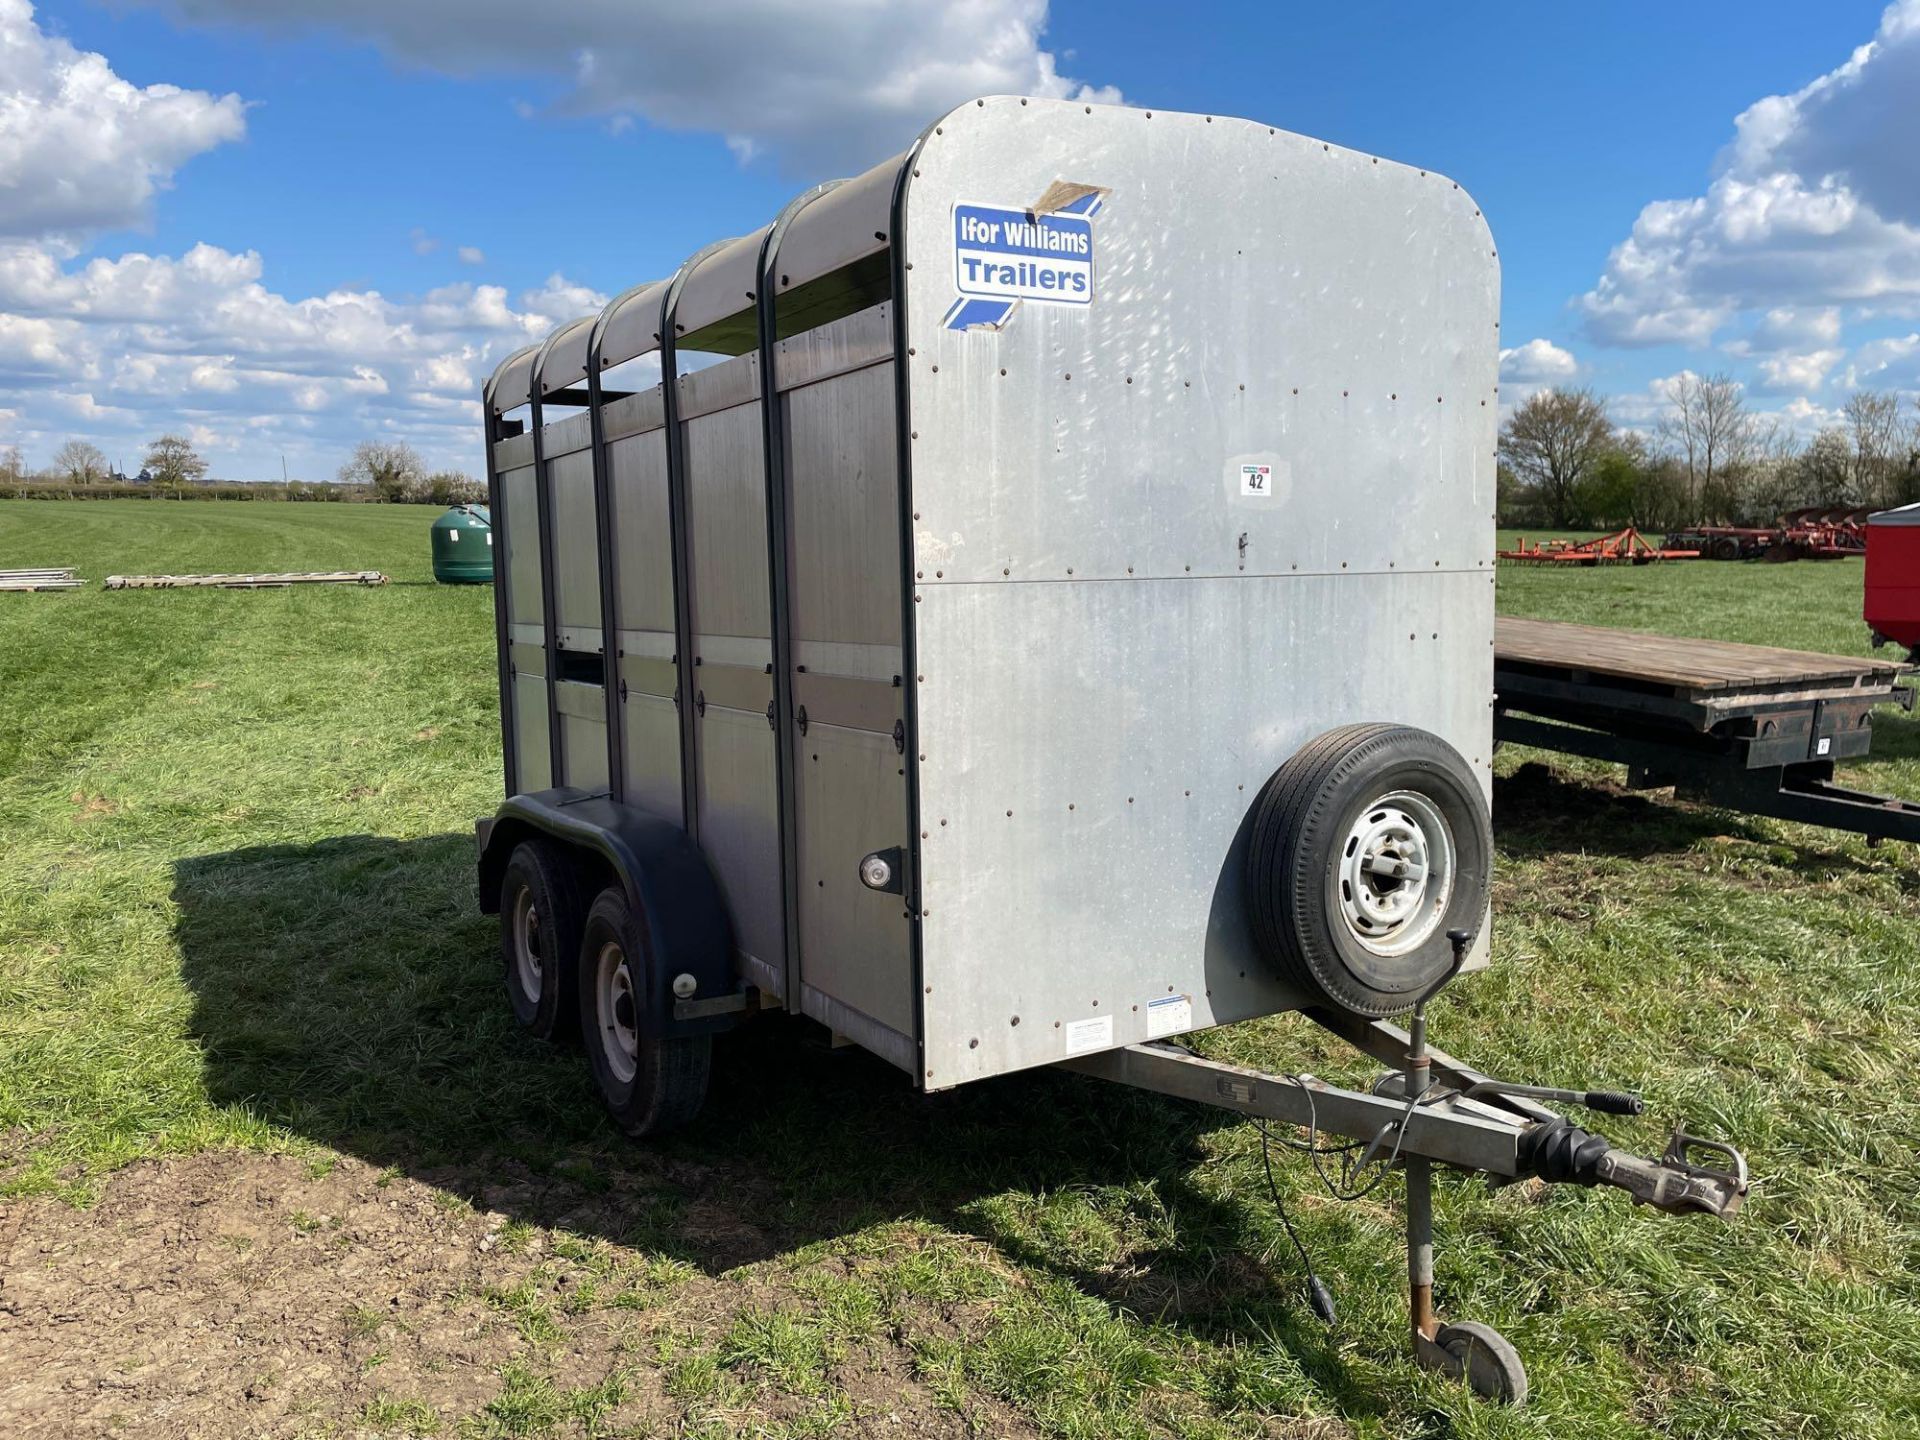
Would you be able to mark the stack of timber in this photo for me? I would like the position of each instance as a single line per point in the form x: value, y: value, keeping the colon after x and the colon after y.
x: 40, y: 580
x: 245, y: 582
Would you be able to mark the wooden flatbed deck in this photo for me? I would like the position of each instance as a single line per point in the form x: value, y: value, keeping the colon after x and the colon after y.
x: 1748, y: 726
x: 1684, y: 666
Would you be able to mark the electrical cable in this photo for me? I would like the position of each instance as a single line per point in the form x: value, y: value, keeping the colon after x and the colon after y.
x: 1318, y: 1295
x: 1346, y: 1189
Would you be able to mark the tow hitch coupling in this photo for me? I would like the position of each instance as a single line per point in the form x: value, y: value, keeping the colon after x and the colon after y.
x: 1561, y: 1152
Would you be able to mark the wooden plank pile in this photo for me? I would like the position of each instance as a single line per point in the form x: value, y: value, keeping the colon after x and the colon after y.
x: 245, y: 582
x: 40, y: 579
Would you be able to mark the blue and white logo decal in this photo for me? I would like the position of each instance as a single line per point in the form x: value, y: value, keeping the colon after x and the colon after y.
x: 1004, y: 255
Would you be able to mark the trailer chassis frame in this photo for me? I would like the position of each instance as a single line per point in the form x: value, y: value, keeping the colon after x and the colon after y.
x: 1432, y: 1109
x: 1732, y: 772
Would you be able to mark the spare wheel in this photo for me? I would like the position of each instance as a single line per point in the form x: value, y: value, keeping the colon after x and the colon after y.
x: 1368, y: 846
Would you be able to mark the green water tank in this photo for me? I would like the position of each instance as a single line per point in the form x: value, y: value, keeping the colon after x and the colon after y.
x: 463, y: 546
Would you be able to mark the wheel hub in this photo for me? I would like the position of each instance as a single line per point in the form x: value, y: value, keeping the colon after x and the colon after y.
x: 526, y: 944
x: 1396, y: 873
x: 618, y: 1009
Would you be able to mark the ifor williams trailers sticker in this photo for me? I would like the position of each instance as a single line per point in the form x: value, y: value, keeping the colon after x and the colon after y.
x: 1006, y: 256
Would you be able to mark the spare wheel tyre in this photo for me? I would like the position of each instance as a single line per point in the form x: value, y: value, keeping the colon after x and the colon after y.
x: 1368, y: 846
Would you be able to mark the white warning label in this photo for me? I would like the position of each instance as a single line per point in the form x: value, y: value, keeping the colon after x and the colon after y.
x: 1085, y: 1035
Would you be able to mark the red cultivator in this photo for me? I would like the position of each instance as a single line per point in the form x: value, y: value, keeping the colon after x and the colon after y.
x: 1622, y: 547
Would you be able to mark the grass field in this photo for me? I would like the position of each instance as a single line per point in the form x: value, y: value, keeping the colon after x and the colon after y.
x: 241, y: 974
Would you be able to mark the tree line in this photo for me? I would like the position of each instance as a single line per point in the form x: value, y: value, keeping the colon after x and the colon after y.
x: 172, y: 469
x: 1708, y: 460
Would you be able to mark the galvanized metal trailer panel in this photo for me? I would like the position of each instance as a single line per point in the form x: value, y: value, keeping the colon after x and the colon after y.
x: 1116, y: 644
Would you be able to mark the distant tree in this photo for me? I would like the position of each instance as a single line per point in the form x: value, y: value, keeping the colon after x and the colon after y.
x: 392, y: 468
x: 1661, y: 498
x: 1880, y: 445
x: 1713, y: 436
x: 80, y: 462
x: 13, y: 465
x: 173, y: 462
x: 1552, y: 442
x: 1826, y: 469
x: 1776, y: 480
x: 1609, y: 495
x: 455, y: 487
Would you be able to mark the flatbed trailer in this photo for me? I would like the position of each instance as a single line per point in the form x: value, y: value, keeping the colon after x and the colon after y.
x: 1750, y: 727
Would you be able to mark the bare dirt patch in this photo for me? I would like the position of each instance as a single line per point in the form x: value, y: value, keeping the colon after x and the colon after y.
x: 229, y: 1294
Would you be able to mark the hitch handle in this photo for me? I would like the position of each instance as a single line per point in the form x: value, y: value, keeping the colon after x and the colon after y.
x: 1613, y: 1102
x: 1607, y: 1102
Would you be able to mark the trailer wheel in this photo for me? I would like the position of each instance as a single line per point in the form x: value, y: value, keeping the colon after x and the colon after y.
x: 540, y: 938
x: 651, y: 1084
x: 1368, y: 846
x: 1726, y: 547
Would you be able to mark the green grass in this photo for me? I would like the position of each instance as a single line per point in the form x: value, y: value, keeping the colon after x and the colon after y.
x: 236, y: 910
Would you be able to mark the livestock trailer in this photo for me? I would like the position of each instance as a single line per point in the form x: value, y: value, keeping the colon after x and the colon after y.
x: 1023, y: 605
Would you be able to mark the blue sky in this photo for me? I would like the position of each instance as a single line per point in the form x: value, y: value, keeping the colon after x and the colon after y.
x: 287, y: 225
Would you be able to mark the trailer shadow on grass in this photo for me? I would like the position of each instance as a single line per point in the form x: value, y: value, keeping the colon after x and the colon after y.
x: 349, y: 992
x: 1539, y: 811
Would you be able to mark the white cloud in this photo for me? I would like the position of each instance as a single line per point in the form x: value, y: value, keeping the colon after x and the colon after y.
x: 1538, y: 361
x: 825, y: 84
x: 1791, y: 373
x: 1890, y: 362
x: 80, y: 148
x: 122, y: 349
x: 1784, y: 327
x: 1815, y: 205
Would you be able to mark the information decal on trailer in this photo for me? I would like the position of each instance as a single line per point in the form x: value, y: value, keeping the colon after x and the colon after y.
x: 1006, y: 255
x: 1082, y: 1036
x: 1169, y: 1015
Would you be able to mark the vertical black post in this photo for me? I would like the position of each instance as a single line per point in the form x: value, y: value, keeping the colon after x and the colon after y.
x: 610, y: 651
x: 682, y: 546
x: 549, y: 589
x: 909, y: 659
x: 774, y: 450
x: 502, y: 637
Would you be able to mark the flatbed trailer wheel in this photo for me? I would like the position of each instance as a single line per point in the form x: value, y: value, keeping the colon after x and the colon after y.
x: 540, y: 938
x: 651, y: 1083
x: 1369, y: 845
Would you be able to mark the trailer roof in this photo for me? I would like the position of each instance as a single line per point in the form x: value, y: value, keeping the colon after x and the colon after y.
x: 563, y: 359
x: 1899, y: 515
x: 828, y: 227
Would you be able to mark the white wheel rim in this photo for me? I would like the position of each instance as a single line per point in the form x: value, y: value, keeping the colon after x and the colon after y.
x: 526, y: 944
x: 617, y: 1007
x: 1396, y: 873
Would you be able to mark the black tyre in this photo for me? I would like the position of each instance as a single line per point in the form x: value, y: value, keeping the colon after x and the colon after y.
x: 651, y: 1084
x: 1367, y: 847
x: 540, y: 915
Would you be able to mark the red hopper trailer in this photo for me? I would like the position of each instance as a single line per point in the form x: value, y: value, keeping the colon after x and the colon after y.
x: 1892, y: 607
